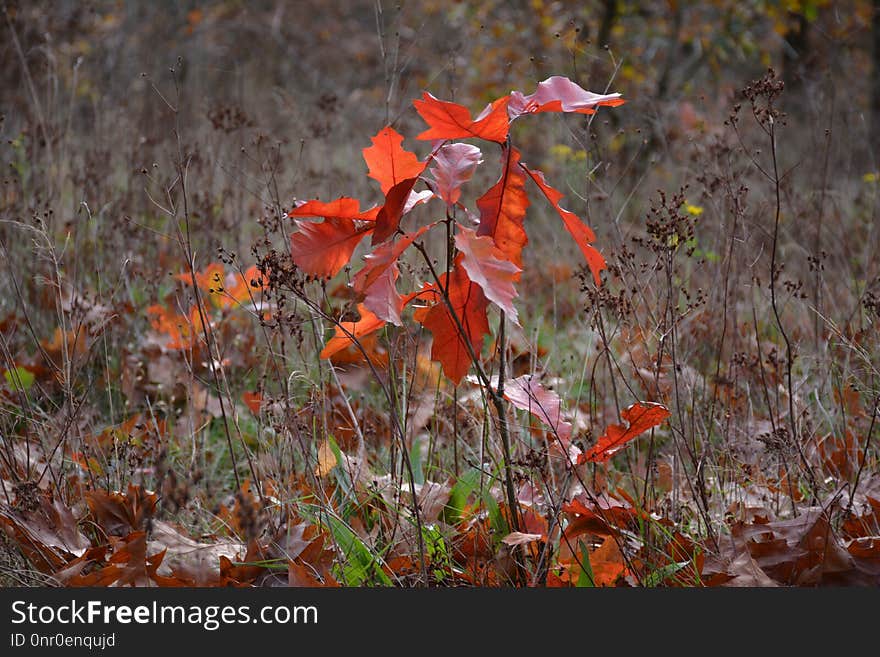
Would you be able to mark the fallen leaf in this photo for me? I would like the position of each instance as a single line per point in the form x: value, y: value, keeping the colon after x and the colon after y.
x: 640, y: 417
x: 519, y: 538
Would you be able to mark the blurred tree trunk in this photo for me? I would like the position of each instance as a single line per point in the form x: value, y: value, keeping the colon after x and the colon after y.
x: 875, y: 83
x: 795, y: 52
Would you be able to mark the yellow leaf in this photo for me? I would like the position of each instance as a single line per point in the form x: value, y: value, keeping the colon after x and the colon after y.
x: 326, y: 459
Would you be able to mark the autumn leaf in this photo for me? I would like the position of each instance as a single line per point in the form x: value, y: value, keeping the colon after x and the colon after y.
x: 469, y: 305
x: 582, y: 234
x: 559, y: 94
x: 640, y: 417
x: 324, y: 248
x: 226, y: 290
x: 454, y: 165
x: 503, y: 210
x: 341, y: 208
x: 485, y: 265
x: 389, y: 163
x: 607, y: 563
x: 527, y: 394
x: 398, y: 201
x: 383, y: 299
x: 181, y: 330
x: 253, y: 400
x: 383, y: 257
x: 448, y: 120
x: 376, y: 279
x: 520, y: 538
x: 368, y: 323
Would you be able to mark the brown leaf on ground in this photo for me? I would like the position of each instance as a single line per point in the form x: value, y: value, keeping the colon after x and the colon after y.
x: 119, y: 514
x: 48, y: 534
x: 747, y: 573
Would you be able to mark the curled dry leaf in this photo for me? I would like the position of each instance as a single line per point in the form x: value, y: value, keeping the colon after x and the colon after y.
x: 519, y: 538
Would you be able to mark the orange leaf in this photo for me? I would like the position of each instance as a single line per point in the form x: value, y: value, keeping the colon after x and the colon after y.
x: 181, y: 330
x: 607, y: 563
x: 253, y: 400
x: 503, y: 210
x: 341, y: 208
x: 453, y: 121
x: 368, y: 323
x: 640, y: 417
x: 388, y: 161
x: 580, y: 232
x: 469, y: 304
x: 324, y: 248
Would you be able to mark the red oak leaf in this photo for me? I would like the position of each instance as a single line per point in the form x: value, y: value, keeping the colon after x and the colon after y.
x: 368, y: 323
x: 640, y: 417
x: 341, y: 208
x: 453, y: 121
x: 527, y: 394
x: 503, y: 210
x: 376, y: 278
x: 253, y: 400
x: 582, y: 234
x: 486, y: 266
x: 559, y: 94
x: 396, y: 205
x: 388, y: 161
x: 226, y: 290
x: 324, y: 248
x: 384, y: 256
x: 454, y: 165
x: 469, y: 304
x: 383, y: 298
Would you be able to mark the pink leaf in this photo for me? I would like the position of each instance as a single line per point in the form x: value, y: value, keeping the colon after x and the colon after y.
x: 527, y: 394
x: 487, y: 266
x: 454, y: 165
x: 559, y: 94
